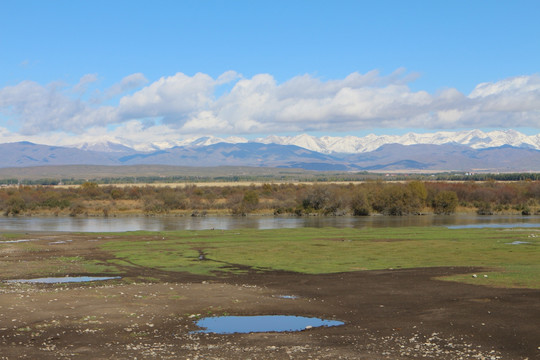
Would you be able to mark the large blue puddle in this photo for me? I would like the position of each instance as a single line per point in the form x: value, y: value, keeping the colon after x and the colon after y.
x: 263, y: 323
x: 66, y: 279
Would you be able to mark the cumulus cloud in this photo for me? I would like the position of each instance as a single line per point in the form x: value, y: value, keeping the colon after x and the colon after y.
x: 514, y: 95
x: 181, y: 105
x: 40, y: 109
x: 173, y: 98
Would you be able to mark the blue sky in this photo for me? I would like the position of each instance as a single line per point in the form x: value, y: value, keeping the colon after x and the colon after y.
x: 177, y: 69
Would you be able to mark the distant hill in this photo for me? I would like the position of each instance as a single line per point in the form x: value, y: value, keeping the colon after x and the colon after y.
x: 448, y: 157
x: 387, y: 157
x: 23, y: 154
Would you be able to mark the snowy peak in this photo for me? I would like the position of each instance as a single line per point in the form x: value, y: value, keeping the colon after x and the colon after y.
x: 104, y: 146
x: 476, y: 139
x: 304, y: 141
x: 211, y: 140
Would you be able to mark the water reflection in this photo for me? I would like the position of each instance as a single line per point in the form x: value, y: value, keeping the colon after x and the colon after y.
x: 264, y: 323
x: 112, y: 224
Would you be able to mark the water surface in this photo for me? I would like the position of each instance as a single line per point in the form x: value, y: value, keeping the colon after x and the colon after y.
x: 112, y: 224
x: 65, y: 279
x: 263, y: 323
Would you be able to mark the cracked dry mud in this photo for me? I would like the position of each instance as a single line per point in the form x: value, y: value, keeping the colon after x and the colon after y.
x: 390, y: 314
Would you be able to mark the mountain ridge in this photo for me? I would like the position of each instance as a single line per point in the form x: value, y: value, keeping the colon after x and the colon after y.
x: 349, y: 144
x: 388, y: 157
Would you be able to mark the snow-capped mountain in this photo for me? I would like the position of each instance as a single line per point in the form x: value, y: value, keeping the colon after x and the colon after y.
x: 104, y: 146
x: 389, y: 157
x: 475, y: 139
x: 211, y: 140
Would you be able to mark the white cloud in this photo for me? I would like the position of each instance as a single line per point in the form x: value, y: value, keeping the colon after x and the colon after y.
x: 173, y: 98
x: 514, y: 85
x: 227, y: 77
x: 128, y: 83
x: 84, y: 82
x: 520, y: 95
x: 180, y: 105
x: 41, y: 109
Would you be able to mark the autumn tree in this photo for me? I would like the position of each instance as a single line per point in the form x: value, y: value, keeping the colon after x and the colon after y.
x: 360, y: 204
x: 445, y: 203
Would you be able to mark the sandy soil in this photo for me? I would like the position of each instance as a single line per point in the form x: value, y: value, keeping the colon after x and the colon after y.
x: 391, y: 314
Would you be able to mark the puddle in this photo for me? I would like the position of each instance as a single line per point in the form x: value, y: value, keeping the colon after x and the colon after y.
x: 15, y: 241
x: 60, y: 242
x: 66, y: 279
x: 257, y: 324
x: 287, y: 297
x: 518, y: 243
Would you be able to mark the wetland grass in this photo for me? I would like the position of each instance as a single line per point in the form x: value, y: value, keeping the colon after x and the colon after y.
x: 331, y: 250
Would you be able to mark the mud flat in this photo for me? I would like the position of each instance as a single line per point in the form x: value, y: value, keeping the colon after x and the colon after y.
x: 152, y: 313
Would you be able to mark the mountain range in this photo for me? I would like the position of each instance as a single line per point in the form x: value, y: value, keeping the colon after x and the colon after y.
x: 497, y: 151
x: 475, y: 139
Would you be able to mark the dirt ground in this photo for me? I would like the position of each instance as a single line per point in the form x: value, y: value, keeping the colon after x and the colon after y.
x: 390, y: 314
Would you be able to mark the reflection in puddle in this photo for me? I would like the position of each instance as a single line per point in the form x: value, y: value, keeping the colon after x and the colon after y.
x: 60, y: 242
x: 66, y: 279
x: 287, y: 297
x: 264, y: 323
x: 15, y: 241
x: 518, y: 243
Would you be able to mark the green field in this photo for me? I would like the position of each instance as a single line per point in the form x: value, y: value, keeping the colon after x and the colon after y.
x: 330, y: 250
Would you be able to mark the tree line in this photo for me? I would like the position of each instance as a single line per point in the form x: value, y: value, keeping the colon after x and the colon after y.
x: 276, y: 176
x: 371, y: 197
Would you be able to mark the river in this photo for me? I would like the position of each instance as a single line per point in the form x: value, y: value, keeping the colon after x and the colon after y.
x: 118, y: 224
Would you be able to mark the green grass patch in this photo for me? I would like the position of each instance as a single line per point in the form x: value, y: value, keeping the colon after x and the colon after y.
x: 510, y: 276
x: 11, y: 236
x: 331, y: 250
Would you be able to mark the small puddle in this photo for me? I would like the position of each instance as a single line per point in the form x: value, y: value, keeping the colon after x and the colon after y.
x: 287, y: 297
x: 66, y: 279
x: 15, y: 241
x: 60, y: 242
x: 263, y: 323
x: 518, y: 243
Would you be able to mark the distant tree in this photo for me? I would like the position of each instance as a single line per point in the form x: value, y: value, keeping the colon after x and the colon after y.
x: 316, y: 198
x: 445, y: 203
x: 360, y: 204
x: 397, y: 200
x: 76, y: 208
x: 250, y: 201
x: 15, y: 205
x: 90, y: 189
x: 484, y: 208
x: 418, y: 190
x: 151, y: 205
x: 243, y: 204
